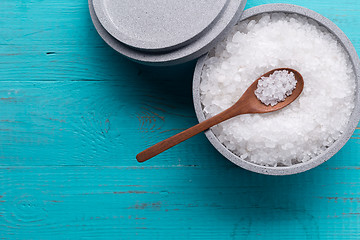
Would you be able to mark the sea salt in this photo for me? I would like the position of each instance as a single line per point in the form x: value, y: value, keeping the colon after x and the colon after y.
x: 275, y: 88
x: 306, y: 127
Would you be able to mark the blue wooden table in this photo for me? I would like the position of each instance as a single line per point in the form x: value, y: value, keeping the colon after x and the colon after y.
x: 74, y: 114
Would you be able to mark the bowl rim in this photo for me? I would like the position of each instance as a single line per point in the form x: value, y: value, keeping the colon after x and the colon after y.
x: 354, y: 118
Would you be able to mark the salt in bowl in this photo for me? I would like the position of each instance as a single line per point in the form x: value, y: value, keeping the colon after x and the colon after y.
x: 330, y: 151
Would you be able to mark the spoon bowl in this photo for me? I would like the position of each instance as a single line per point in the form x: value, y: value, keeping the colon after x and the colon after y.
x: 248, y: 103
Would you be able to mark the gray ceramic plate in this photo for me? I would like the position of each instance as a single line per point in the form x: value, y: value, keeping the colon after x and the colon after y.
x: 335, y: 147
x: 200, y: 46
x: 158, y: 25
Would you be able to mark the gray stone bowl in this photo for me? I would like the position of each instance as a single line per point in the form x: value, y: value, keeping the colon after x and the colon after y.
x: 190, y: 51
x: 336, y: 146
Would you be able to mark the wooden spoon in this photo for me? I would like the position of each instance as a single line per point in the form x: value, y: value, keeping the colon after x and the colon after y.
x: 248, y: 103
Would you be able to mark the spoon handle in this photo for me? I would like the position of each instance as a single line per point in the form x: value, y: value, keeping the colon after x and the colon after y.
x: 182, y: 136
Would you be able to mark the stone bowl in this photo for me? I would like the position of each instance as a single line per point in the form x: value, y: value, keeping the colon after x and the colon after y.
x: 329, y: 152
x: 185, y: 51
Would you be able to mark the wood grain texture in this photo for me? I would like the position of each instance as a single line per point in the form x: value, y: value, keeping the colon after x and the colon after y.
x: 74, y: 114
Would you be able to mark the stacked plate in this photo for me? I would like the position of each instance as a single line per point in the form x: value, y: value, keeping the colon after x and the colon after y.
x: 164, y: 32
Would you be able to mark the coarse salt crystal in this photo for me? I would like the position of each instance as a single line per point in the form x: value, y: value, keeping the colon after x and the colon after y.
x: 275, y: 88
x: 307, y: 126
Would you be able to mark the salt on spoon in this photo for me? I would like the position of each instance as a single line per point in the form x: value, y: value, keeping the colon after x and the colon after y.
x: 275, y: 88
x: 256, y: 99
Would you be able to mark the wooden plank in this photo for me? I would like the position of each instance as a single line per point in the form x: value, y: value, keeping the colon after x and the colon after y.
x: 90, y: 123
x: 177, y: 203
x: 55, y: 40
x: 102, y: 123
